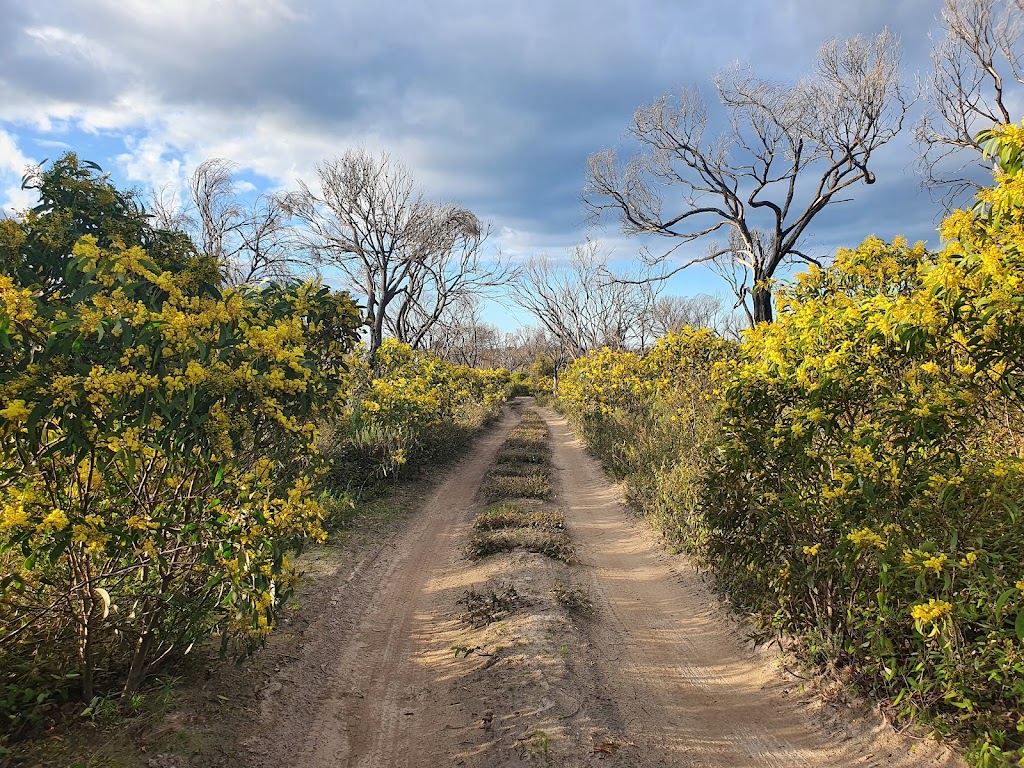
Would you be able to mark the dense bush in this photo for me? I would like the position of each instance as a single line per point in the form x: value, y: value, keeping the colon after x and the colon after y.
x: 149, y: 492
x: 164, y: 441
x: 857, y: 480
x: 406, y: 408
x: 867, y: 495
x: 652, y: 420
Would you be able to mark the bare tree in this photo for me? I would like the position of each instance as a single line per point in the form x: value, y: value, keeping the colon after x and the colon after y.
x: 253, y: 241
x: 212, y: 190
x: 461, y: 336
x: 789, y: 152
x: 410, y: 259
x: 523, y: 346
x: 584, y: 306
x: 443, y: 289
x: 975, y: 84
x: 165, y: 210
x: 672, y: 313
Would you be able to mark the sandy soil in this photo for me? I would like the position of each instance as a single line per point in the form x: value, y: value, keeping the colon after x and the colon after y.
x: 388, y: 673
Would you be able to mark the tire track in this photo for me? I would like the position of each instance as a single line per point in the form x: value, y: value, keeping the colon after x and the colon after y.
x: 359, y: 696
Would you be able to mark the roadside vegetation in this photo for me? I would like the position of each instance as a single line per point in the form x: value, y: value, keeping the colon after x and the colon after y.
x: 169, y: 442
x: 852, y: 473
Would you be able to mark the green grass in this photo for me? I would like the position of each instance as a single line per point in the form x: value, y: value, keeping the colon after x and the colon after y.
x: 517, y: 515
x: 536, y: 485
x: 553, y: 544
x: 519, y: 481
x: 523, y: 456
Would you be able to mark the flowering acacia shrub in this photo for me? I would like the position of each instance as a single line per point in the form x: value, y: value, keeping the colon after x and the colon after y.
x: 863, y: 490
x: 652, y: 420
x: 404, y: 406
x: 867, y: 495
x: 149, y: 423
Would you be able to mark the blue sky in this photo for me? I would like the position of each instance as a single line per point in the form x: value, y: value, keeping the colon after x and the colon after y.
x: 493, y: 105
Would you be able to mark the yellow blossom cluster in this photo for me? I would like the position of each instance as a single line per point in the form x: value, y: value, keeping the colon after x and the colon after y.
x: 931, y: 611
x: 865, y: 537
x: 406, y: 393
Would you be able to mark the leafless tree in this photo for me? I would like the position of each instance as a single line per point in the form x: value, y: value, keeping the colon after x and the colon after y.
x: 583, y: 305
x: 253, y: 241
x: 165, y: 210
x: 524, y: 345
x: 212, y: 192
x: 672, y: 313
x: 409, y: 259
x: 461, y: 336
x: 975, y: 84
x: 789, y: 152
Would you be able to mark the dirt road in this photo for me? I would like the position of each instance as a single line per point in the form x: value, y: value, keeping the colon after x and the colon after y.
x: 389, y: 676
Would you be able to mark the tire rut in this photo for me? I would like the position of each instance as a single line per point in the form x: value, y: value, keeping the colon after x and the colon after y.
x: 360, y: 696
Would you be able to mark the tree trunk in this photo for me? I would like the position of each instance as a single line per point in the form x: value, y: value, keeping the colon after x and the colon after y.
x: 137, y: 671
x: 376, y: 336
x: 85, y: 606
x: 762, y: 298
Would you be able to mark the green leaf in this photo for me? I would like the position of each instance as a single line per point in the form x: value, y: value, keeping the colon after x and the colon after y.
x: 1003, y: 599
x: 1018, y: 626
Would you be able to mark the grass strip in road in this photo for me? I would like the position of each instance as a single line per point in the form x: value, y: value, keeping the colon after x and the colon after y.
x: 553, y: 544
x: 527, y: 439
x: 508, y: 455
x: 511, y: 514
x: 500, y: 485
x: 520, y: 481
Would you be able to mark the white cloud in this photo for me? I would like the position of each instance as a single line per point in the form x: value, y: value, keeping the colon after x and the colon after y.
x: 151, y: 162
x: 12, y: 160
x: 13, y: 164
x: 52, y: 144
x: 237, y: 17
x: 15, y: 200
x: 59, y: 43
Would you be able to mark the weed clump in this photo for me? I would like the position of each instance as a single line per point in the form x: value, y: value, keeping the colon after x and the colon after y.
x: 553, y: 544
x: 574, y: 600
x: 508, y: 455
x: 487, y: 607
x: 517, y: 515
x: 534, y: 485
x: 527, y: 439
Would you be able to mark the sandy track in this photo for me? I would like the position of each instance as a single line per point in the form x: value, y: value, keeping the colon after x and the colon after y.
x: 688, y: 689
x: 361, y: 694
x: 658, y: 676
